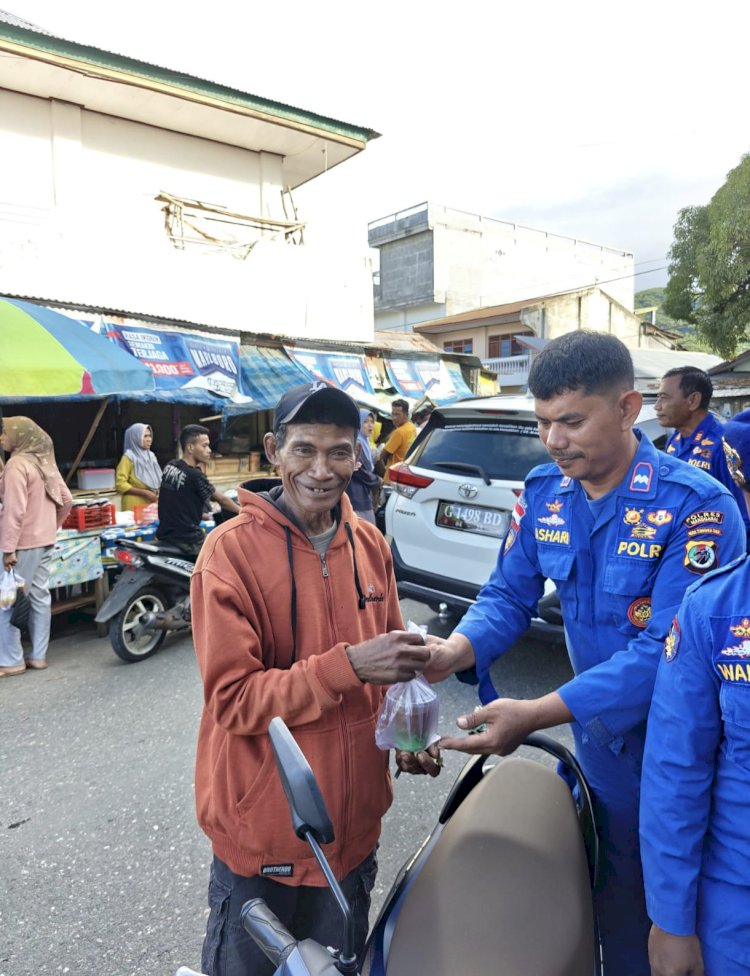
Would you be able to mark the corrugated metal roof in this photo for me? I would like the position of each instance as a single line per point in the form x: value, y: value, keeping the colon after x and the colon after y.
x: 15, y: 30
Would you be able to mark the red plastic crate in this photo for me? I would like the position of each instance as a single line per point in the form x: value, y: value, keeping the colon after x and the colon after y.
x: 83, y: 517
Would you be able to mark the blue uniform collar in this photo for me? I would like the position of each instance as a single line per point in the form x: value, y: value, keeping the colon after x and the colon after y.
x: 709, y: 425
x: 641, y: 480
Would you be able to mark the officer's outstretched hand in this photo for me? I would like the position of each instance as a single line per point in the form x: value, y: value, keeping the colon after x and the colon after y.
x: 396, y: 656
x: 506, y: 723
x: 448, y: 655
x: 500, y: 728
x: 674, y: 955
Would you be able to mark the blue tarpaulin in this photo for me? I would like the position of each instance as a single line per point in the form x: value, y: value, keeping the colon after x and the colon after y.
x: 265, y: 374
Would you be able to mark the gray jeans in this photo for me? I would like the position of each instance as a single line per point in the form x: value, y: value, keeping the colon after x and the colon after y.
x: 33, y: 567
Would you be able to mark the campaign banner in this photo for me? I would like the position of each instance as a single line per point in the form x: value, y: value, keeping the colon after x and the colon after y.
x: 184, y: 362
x: 348, y: 371
x: 416, y: 378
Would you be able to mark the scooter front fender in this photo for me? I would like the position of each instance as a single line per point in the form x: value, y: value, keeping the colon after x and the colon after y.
x: 128, y: 583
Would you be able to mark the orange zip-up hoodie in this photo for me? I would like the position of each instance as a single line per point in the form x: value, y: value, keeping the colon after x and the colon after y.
x: 271, y: 621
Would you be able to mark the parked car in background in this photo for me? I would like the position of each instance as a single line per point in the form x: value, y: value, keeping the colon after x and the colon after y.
x: 453, y: 496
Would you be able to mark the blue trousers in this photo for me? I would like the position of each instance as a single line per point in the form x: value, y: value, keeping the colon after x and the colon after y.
x: 619, y: 899
x: 308, y: 913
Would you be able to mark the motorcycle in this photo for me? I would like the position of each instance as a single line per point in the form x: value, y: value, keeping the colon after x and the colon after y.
x: 503, y: 884
x: 150, y: 598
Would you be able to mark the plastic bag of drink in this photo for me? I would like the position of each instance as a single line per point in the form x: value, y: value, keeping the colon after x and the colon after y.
x: 408, y: 719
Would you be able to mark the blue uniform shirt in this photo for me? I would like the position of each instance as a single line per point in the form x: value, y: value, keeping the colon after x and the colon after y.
x: 703, y: 450
x: 621, y: 565
x: 695, y: 800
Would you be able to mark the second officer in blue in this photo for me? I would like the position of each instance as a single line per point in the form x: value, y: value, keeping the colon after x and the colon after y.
x: 695, y: 802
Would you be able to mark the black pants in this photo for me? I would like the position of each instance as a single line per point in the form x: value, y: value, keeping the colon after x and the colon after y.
x: 308, y: 913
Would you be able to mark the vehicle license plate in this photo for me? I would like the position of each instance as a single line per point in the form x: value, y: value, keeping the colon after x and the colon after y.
x: 472, y: 518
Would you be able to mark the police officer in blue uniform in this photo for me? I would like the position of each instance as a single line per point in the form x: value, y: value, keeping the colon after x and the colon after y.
x: 623, y: 530
x: 682, y: 402
x: 695, y: 800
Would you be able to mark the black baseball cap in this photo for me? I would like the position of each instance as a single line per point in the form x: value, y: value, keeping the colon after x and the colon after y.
x: 339, y: 404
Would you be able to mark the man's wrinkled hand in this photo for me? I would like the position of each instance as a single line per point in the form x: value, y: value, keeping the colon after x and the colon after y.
x: 396, y: 656
x: 508, y: 722
x: 674, y: 955
x: 9, y: 560
x: 427, y: 761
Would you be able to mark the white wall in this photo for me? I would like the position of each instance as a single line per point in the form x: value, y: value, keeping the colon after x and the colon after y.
x: 79, y: 224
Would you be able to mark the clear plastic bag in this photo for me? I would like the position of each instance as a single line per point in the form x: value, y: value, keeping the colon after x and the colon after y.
x: 9, y: 585
x: 409, y: 717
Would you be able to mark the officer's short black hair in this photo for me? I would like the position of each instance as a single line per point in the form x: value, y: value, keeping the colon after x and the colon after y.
x: 191, y: 433
x: 693, y: 380
x: 593, y: 362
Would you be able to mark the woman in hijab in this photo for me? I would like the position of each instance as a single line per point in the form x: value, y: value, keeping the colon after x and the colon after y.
x: 364, y: 480
x: 138, y: 475
x: 35, y: 502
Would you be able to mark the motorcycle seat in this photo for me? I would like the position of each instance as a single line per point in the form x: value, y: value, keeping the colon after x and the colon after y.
x: 505, y: 889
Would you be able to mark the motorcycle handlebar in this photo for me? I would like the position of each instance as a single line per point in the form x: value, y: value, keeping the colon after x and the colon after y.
x: 269, y: 933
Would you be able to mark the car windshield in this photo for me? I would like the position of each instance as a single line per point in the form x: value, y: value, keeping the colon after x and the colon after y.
x: 505, y: 450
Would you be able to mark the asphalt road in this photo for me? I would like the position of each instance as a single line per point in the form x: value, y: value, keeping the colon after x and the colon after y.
x: 104, y: 870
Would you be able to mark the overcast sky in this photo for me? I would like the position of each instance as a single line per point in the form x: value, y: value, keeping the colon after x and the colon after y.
x: 597, y: 119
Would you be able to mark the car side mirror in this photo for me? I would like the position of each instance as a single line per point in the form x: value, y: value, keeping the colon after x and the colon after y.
x: 306, y: 804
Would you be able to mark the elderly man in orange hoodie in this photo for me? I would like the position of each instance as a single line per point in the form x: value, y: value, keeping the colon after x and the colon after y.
x: 295, y: 613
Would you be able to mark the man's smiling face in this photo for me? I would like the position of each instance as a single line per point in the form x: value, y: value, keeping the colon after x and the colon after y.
x: 315, y: 463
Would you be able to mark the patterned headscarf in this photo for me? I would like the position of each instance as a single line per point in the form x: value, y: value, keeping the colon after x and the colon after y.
x: 145, y: 465
x: 27, y: 439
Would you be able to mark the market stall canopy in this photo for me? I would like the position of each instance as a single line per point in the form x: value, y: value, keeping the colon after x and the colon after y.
x: 45, y: 355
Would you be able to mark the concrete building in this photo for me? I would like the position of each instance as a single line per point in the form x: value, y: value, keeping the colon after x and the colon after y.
x: 436, y: 262
x: 505, y: 337
x: 134, y: 188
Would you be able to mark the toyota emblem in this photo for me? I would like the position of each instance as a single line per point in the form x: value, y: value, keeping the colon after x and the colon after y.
x: 467, y: 491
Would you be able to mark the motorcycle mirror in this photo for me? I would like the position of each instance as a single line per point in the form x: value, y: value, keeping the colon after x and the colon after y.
x: 306, y: 804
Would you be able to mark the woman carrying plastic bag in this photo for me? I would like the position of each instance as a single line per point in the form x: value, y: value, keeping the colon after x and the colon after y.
x: 35, y: 501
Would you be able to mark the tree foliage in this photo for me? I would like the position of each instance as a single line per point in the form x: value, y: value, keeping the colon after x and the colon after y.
x: 709, y: 265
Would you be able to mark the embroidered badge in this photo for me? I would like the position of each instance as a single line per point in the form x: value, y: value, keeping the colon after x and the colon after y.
x: 639, y: 611
x: 660, y: 517
x: 566, y: 481
x: 672, y: 642
x: 519, y: 510
x: 701, y: 556
x: 643, y: 474
x: 742, y: 629
x: 701, y: 518
x: 642, y: 531
x: 632, y: 516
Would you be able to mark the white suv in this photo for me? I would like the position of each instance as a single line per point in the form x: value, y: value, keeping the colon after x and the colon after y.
x: 452, y: 498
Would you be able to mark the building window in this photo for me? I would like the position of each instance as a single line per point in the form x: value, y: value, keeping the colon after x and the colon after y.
x: 503, y: 347
x: 459, y: 345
